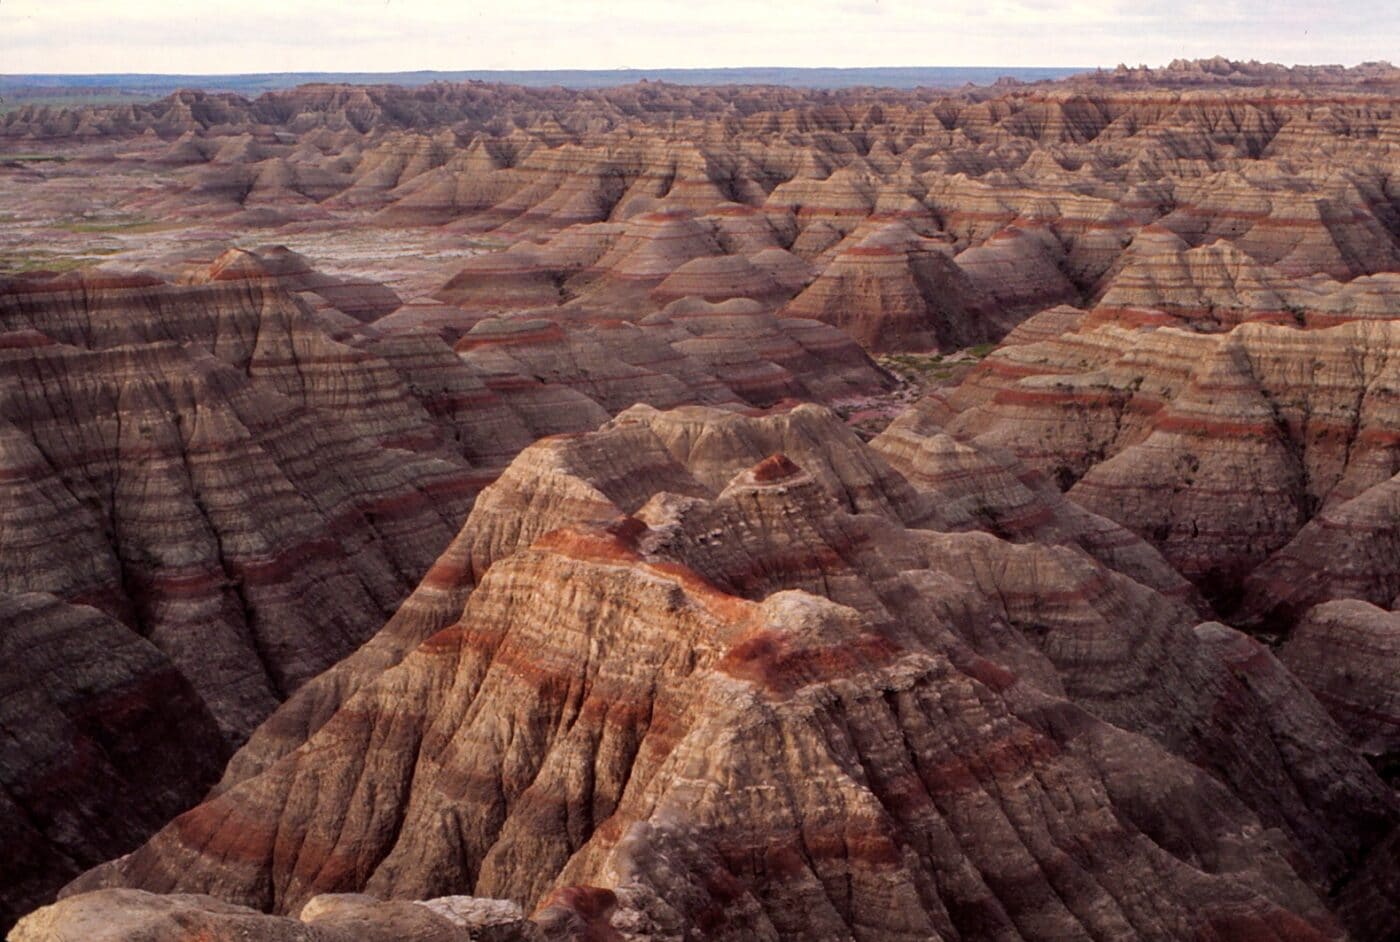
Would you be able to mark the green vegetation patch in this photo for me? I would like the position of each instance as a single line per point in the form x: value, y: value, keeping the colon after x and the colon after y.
x: 14, y: 264
x: 112, y: 224
x: 917, y: 367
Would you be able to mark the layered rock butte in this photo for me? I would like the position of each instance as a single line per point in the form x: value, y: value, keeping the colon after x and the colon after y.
x: 549, y: 593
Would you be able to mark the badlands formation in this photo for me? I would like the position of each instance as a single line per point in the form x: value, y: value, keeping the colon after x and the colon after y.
x: 479, y: 512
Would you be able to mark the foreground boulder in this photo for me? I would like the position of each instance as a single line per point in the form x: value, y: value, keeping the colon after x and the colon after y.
x: 118, y: 915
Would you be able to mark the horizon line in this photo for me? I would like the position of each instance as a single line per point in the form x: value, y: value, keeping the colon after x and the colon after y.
x: 668, y: 68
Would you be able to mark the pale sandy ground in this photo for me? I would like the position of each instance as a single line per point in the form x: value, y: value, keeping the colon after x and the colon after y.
x: 414, y: 262
x: 62, y: 215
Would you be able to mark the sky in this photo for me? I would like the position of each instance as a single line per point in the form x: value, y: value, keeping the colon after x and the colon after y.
x: 228, y: 36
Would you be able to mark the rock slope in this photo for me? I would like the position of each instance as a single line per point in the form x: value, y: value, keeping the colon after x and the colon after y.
x: 1259, y: 460
x: 702, y: 662
x: 95, y: 719
x: 736, y: 696
x: 240, y: 472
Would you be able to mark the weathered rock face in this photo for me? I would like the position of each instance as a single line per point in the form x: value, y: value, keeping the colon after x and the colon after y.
x: 251, y: 325
x: 217, y: 503
x: 893, y: 290
x: 1253, y: 459
x: 701, y: 662
x: 278, y: 265
x: 743, y: 697
x: 1345, y: 652
x: 239, y: 481
x: 986, y: 488
x: 230, y: 489
x: 1344, y: 551
x: 690, y: 352
x: 95, y: 718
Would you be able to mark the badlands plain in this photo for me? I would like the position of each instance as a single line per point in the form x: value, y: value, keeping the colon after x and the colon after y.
x: 658, y: 512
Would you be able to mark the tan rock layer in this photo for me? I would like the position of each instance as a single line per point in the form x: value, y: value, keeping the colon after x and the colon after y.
x: 757, y: 703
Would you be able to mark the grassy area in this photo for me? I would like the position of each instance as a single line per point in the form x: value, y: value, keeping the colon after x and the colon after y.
x: 934, y: 369
x: 22, y: 264
x: 45, y: 261
x: 134, y: 224
x: 918, y: 367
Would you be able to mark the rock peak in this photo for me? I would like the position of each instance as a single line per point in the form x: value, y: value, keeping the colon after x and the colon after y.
x: 774, y: 469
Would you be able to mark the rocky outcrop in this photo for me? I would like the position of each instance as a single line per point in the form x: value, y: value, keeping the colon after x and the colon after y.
x: 986, y: 488
x: 893, y: 290
x: 702, y: 661
x: 113, y: 915
x: 95, y: 719
x: 219, y: 505
x: 253, y: 488
x: 1150, y: 427
x: 777, y: 683
x: 280, y: 266
x: 242, y: 500
x: 1345, y: 652
x: 691, y: 352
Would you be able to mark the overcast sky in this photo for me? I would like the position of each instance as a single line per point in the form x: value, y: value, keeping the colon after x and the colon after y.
x: 212, y: 36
